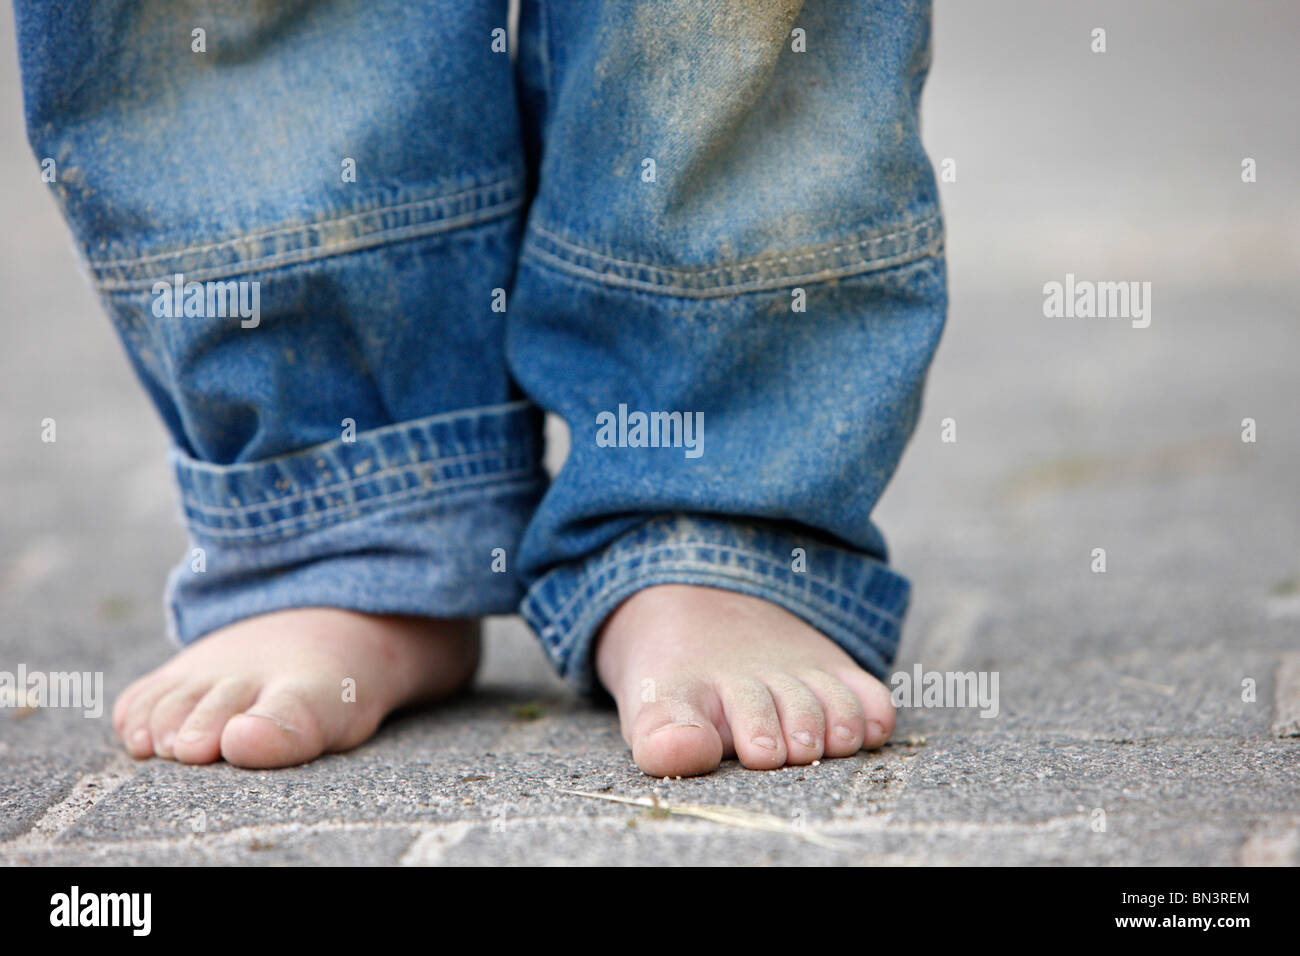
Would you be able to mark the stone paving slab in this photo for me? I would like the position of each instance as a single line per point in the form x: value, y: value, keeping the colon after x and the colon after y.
x: 161, y: 800
x: 632, y: 836
x: 639, y: 841
x: 1139, y: 692
x: 356, y: 845
x: 30, y: 785
x: 1020, y: 778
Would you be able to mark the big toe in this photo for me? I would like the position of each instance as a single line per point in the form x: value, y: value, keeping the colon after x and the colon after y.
x: 675, y: 741
x: 877, y: 706
x: 279, y: 730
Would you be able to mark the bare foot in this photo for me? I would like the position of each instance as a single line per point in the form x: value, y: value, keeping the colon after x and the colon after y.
x: 700, y: 674
x: 283, y: 688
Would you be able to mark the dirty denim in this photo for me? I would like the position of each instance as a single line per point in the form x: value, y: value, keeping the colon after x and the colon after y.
x: 712, y: 216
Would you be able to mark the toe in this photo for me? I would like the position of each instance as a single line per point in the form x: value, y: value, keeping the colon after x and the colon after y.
x: 803, y: 722
x: 755, y: 727
x: 673, y: 735
x: 135, y: 721
x: 279, y: 730
x: 122, y: 706
x: 199, y: 737
x: 170, y: 712
x: 877, y: 707
x: 846, y: 725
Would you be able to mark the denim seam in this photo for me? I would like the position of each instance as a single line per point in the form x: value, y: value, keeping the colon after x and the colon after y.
x: 314, y: 253
x: 287, y: 230
x: 414, y: 472
x: 440, y: 457
x: 729, y: 573
x: 823, y: 249
x: 914, y: 242
x: 347, y: 484
x: 612, y: 564
x: 876, y: 265
x: 486, y: 203
x: 503, y: 483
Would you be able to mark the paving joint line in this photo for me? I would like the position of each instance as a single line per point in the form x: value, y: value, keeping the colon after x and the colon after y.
x: 90, y: 789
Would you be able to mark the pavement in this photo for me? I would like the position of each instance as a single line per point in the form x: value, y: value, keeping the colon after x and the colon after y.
x: 1148, y: 714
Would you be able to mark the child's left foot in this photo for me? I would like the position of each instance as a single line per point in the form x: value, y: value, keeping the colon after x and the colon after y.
x: 700, y: 674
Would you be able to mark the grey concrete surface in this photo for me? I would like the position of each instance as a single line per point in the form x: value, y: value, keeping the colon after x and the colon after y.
x: 1125, y: 733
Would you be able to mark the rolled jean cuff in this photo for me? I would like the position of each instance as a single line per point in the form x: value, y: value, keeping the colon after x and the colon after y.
x: 405, y: 519
x: 851, y: 597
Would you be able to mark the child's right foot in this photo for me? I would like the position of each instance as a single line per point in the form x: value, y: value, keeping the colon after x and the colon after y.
x: 273, y: 690
x: 700, y: 674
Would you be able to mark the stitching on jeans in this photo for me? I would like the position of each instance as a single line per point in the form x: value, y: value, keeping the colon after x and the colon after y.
x: 923, y: 235
x: 345, y: 513
x: 755, y: 285
x: 756, y: 261
x: 830, y: 611
x: 774, y: 584
x: 414, y: 470
x: 312, y: 253
x: 288, y: 230
x: 338, y: 514
x: 614, y: 562
x: 354, y: 502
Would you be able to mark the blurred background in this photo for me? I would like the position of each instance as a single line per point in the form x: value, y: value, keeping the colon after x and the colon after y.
x: 1072, y: 434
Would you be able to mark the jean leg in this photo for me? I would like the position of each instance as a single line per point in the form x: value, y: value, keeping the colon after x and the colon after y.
x: 301, y: 218
x: 731, y: 287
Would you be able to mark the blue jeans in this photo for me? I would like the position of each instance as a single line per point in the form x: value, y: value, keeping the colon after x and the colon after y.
x: 353, y: 249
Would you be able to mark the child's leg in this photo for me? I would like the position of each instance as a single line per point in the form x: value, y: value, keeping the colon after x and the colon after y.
x: 341, y: 184
x: 736, y: 224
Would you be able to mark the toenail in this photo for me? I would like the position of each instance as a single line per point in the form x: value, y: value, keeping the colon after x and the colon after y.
x: 275, y: 720
x: 660, y: 730
x: 843, y: 733
x: 767, y: 743
x: 167, y: 741
x: 192, y: 736
x: 140, y: 738
x: 874, y: 730
x: 803, y: 737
